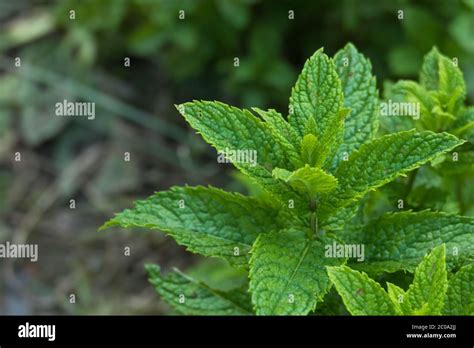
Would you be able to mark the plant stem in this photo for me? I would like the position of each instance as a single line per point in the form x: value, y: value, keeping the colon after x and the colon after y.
x: 411, y: 181
x: 313, y: 218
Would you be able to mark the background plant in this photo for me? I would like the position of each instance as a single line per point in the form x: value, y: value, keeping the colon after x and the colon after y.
x: 430, y: 293
x: 442, y: 95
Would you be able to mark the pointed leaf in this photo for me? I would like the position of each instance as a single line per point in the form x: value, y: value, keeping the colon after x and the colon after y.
x: 360, y: 95
x: 309, y: 149
x: 412, y: 92
x: 360, y: 294
x: 316, y: 151
x: 399, y: 299
x: 426, y: 293
x: 383, y: 159
x: 329, y: 141
x: 279, y: 126
x: 227, y: 127
x: 441, y: 74
x: 451, y: 84
x: 287, y: 274
x: 317, y: 94
x: 207, y: 221
x: 429, y: 76
x: 191, y: 297
x: 430, y: 115
x: 460, y: 294
x: 399, y: 241
x: 307, y: 180
x: 230, y: 128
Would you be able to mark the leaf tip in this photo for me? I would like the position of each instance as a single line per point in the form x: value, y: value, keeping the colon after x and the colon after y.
x: 106, y: 225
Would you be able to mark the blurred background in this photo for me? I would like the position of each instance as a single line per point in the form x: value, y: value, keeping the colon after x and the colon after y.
x: 178, y: 50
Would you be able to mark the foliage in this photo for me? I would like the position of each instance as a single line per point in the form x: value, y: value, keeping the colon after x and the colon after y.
x: 441, y: 96
x: 430, y: 293
x: 174, y: 59
x: 315, y: 170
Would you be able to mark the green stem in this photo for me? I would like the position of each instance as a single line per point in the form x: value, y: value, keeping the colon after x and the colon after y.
x: 313, y: 218
x: 411, y: 181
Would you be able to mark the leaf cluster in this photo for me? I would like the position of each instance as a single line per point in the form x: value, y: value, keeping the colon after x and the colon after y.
x: 316, y: 165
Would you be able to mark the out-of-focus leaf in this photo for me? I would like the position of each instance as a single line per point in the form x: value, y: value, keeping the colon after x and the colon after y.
x: 107, y: 181
x: 404, y: 60
x: 462, y: 30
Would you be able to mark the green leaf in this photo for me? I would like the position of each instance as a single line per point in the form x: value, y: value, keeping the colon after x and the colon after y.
x: 229, y: 128
x: 207, y: 221
x: 342, y: 217
x: 279, y: 126
x: 399, y: 241
x: 307, y: 180
x: 464, y: 122
x: 460, y: 296
x: 329, y: 141
x: 191, y: 297
x: 429, y: 76
x: 412, y: 92
x: 383, y: 159
x: 463, y: 164
x: 311, y: 127
x: 287, y: 274
x: 441, y: 74
x: 360, y: 294
x: 399, y: 299
x: 444, y: 119
x: 283, y: 133
x: 451, y: 84
x: 360, y: 95
x: 309, y: 149
x: 432, y: 116
x: 317, y: 94
x: 218, y: 274
x: 426, y: 293
x: 316, y: 151
x: 287, y: 197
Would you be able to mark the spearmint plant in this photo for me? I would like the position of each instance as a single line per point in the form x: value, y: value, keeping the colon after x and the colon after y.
x: 439, y: 97
x: 441, y: 94
x: 315, y: 166
x: 430, y: 293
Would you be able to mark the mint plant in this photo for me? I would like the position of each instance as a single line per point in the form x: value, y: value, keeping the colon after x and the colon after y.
x: 441, y: 96
x: 315, y: 166
x: 441, y: 93
x: 430, y: 293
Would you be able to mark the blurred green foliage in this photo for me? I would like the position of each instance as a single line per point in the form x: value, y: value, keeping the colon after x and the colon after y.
x: 447, y: 183
x: 175, y: 59
x: 199, y: 39
x: 192, y: 46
